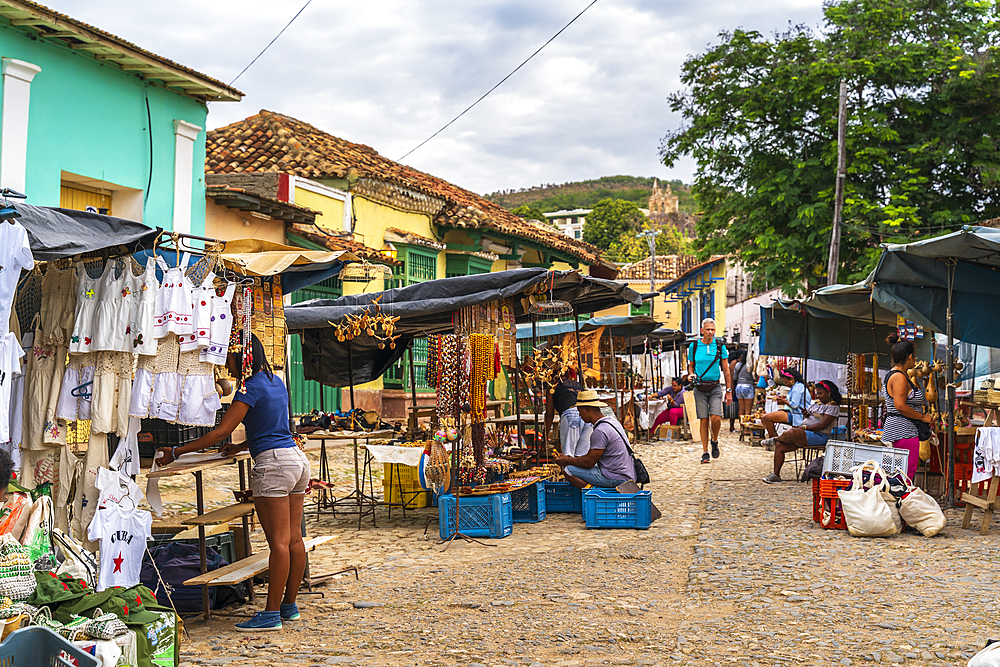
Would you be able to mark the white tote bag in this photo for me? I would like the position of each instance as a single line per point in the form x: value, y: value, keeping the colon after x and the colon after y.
x: 867, y: 515
x: 921, y: 511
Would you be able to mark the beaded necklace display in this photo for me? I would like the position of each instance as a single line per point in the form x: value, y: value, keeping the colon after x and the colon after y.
x: 432, y: 360
x: 447, y: 376
x: 483, y: 351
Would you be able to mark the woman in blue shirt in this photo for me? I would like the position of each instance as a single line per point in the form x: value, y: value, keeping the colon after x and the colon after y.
x: 278, y: 480
x: 798, y: 398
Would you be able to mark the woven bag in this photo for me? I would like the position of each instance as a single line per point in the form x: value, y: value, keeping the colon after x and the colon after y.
x: 104, y: 626
x: 17, y: 576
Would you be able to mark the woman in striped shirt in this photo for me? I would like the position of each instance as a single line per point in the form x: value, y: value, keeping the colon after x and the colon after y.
x: 904, y: 404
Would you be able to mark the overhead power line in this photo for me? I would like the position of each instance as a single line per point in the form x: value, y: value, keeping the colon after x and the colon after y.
x: 269, y: 44
x: 486, y: 94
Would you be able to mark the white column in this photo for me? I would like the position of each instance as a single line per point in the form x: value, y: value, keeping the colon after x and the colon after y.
x: 17, y: 76
x: 184, y: 135
x: 348, y: 224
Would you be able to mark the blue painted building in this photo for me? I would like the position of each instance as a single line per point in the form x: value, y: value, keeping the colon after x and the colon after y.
x: 90, y: 120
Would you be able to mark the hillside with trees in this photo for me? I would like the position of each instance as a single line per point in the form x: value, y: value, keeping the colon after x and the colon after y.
x: 586, y: 194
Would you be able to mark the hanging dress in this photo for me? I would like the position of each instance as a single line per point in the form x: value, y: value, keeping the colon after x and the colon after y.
x: 111, y: 310
x: 199, y: 399
x: 141, y: 339
x: 220, y: 326
x: 201, y: 306
x: 173, y: 305
x: 87, y: 296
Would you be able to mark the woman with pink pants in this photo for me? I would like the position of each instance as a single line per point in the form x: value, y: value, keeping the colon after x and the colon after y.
x: 675, y: 405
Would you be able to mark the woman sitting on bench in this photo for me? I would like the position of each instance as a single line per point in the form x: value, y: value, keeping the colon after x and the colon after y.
x: 279, y: 478
x: 814, y: 431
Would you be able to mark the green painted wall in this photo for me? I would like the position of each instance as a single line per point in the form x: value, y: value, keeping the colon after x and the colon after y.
x: 90, y: 119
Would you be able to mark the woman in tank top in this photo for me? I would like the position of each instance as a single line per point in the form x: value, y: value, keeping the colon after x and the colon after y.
x: 904, y: 404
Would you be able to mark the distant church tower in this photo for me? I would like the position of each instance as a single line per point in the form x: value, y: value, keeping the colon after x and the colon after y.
x: 662, y: 202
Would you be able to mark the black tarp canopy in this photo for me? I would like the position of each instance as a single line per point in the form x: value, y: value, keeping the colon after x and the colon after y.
x: 426, y: 309
x: 54, y: 233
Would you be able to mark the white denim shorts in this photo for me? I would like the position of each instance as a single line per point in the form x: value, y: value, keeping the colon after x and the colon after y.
x: 279, y: 472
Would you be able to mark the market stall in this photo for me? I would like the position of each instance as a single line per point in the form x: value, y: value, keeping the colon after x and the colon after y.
x: 120, y: 337
x: 470, y: 323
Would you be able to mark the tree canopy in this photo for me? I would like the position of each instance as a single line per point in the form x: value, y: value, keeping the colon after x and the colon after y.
x: 923, y: 135
x: 609, y: 219
x: 530, y: 212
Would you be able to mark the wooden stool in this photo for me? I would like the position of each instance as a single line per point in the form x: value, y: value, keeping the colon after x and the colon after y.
x: 987, y: 504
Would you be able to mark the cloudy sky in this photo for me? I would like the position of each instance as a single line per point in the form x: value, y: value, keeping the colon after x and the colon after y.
x: 388, y: 73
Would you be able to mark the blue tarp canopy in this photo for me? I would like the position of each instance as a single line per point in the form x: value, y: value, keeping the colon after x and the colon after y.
x: 912, y: 279
x: 835, y: 320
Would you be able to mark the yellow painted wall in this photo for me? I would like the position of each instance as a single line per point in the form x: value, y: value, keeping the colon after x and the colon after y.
x: 227, y: 224
x: 373, y: 218
x: 332, y: 210
x: 668, y: 313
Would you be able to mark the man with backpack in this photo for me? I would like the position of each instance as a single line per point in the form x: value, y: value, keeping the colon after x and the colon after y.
x: 705, y: 365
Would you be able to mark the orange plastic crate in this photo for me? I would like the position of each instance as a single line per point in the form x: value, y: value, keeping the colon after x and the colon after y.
x: 828, y: 487
x: 832, y: 515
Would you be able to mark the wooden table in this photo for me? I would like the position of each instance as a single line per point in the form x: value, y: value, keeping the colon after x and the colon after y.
x: 363, y: 503
x: 174, y: 470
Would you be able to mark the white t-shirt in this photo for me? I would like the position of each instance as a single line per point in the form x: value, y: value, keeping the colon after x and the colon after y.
x: 10, y: 367
x: 123, y: 534
x: 15, y: 254
x: 113, y: 487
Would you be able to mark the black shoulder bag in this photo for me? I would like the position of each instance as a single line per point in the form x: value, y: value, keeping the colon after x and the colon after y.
x: 707, y: 386
x: 641, y: 475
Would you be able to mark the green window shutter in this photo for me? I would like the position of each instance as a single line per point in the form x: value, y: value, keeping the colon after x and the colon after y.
x: 419, y: 265
x: 304, y: 394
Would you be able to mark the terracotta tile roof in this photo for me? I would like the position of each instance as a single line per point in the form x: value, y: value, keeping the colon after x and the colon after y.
x: 668, y: 268
x: 320, y: 236
x: 278, y: 143
x: 397, y: 235
x: 110, y: 49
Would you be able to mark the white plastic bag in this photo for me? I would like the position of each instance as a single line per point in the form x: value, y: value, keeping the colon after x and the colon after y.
x: 988, y: 657
x: 890, y: 501
x: 922, y: 512
x: 867, y: 515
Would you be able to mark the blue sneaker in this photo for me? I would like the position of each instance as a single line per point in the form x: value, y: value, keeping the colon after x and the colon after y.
x: 290, y: 612
x: 262, y: 621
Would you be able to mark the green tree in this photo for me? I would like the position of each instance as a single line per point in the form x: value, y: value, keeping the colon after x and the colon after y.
x: 609, y: 219
x: 629, y: 247
x: 530, y: 212
x: 923, y: 135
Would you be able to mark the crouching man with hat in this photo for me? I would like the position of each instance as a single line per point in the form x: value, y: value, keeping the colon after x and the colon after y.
x: 608, y: 462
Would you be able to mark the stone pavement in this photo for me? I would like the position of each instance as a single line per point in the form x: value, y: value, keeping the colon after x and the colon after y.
x: 734, y: 573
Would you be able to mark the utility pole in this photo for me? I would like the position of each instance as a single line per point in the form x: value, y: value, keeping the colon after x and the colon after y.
x: 650, y: 236
x: 838, y: 204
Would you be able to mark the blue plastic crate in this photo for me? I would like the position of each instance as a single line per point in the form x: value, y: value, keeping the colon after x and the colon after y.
x: 529, y: 503
x: 479, y: 516
x: 562, y: 497
x: 610, y: 509
x: 40, y: 646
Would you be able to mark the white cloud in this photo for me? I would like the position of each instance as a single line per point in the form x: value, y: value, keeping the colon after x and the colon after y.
x: 388, y: 73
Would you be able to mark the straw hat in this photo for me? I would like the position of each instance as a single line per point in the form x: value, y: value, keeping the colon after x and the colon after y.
x: 588, y: 399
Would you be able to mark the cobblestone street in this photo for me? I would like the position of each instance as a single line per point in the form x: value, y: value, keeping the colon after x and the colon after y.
x: 734, y: 573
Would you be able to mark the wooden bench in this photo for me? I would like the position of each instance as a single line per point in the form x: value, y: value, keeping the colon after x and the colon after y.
x: 247, y: 568
x: 222, y: 515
